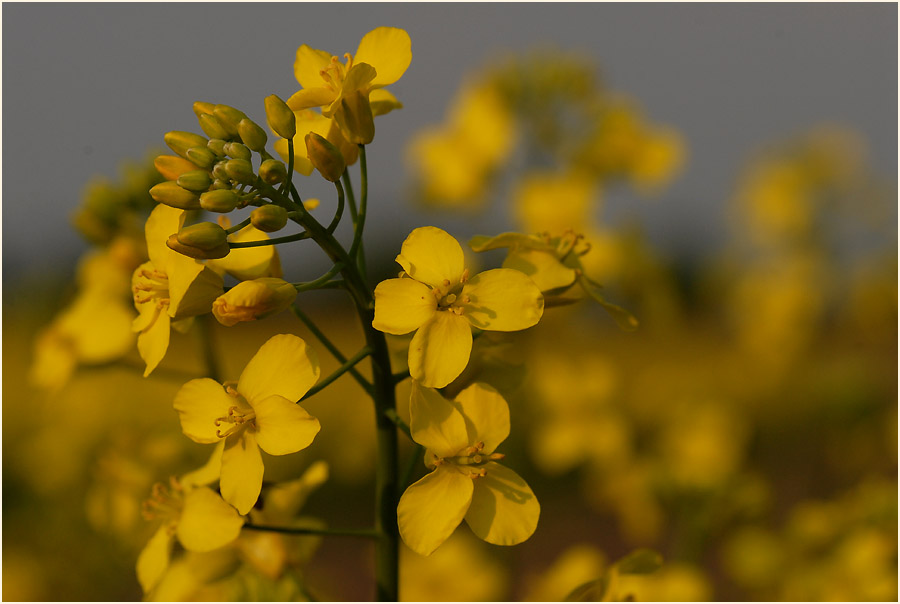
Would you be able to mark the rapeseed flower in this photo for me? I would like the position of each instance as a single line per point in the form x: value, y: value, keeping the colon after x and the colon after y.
x: 443, y: 303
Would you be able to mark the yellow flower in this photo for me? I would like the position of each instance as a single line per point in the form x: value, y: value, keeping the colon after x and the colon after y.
x: 251, y: 262
x: 467, y: 482
x: 194, y: 514
x: 252, y: 300
x: 350, y: 91
x: 169, y: 288
x: 259, y: 412
x: 443, y: 303
x: 555, y: 202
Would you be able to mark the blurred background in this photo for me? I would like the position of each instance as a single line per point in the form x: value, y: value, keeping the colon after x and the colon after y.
x: 734, y: 170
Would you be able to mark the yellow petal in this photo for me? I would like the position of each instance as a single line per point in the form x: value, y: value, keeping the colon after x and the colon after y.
x: 402, y: 305
x: 154, y: 558
x: 486, y: 414
x: 383, y: 102
x: 301, y: 162
x: 311, y: 97
x: 502, y: 299
x: 440, y: 350
x: 162, y: 222
x: 282, y: 426
x: 192, y: 291
x: 543, y: 267
x: 153, y: 342
x: 358, y: 78
x: 284, y: 365
x: 199, y: 404
x: 436, y: 423
x: 431, y: 509
x: 432, y: 256
x: 308, y: 65
x: 249, y: 263
x: 207, y: 522
x: 209, y: 472
x: 336, y: 138
x: 98, y: 326
x: 388, y: 50
x: 242, y: 471
x: 504, y: 510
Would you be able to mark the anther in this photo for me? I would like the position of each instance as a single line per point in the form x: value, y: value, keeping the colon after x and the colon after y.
x: 465, y: 276
x: 446, y: 282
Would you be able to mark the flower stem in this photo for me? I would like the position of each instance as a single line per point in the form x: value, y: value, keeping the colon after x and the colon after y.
x: 363, y: 353
x: 339, y: 212
x: 272, y: 241
x: 369, y: 533
x: 335, y: 352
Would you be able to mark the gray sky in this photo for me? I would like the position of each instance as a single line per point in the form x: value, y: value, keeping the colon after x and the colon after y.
x: 87, y: 85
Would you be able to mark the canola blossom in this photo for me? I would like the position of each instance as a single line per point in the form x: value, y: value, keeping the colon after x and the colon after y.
x: 436, y: 298
x: 259, y: 412
x: 461, y: 437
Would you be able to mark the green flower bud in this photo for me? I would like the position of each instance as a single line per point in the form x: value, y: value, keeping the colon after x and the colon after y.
x: 280, y: 117
x: 252, y: 135
x: 170, y: 194
x: 203, y: 235
x: 272, y: 171
x: 196, y: 180
x: 220, y: 184
x: 355, y: 119
x: 201, y: 156
x: 237, y: 151
x: 200, y: 108
x: 180, y: 142
x: 212, y: 126
x: 240, y: 170
x: 219, y: 171
x: 326, y: 158
x: 195, y: 252
x: 171, y: 166
x: 217, y: 146
x: 269, y: 218
x: 229, y: 117
x: 219, y: 200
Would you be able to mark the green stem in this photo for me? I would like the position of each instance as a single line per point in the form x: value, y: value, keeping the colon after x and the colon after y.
x: 238, y: 226
x: 351, y: 198
x: 334, y: 270
x: 399, y: 377
x: 369, y: 533
x: 290, y: 170
x: 415, y: 458
x: 272, y: 241
x: 335, y: 352
x: 356, y: 247
x: 392, y: 415
x: 204, y: 327
x: 340, y: 208
x: 347, y: 366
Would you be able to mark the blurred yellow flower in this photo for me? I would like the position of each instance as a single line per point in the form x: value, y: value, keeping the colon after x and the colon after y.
x: 443, y: 303
x: 467, y: 482
x: 260, y: 412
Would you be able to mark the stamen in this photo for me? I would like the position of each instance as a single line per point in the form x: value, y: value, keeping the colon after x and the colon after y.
x: 446, y: 282
x: 465, y: 276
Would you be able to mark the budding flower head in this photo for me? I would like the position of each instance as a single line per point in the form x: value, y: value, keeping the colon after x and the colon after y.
x: 252, y: 135
x: 355, y: 118
x: 201, y: 156
x: 240, y: 170
x: 201, y: 107
x: 229, y: 117
x: 219, y: 200
x: 237, y: 151
x: 280, y: 117
x: 170, y: 194
x: 179, y: 141
x: 269, y: 218
x: 195, y: 180
x: 326, y: 158
x: 251, y: 300
x: 272, y: 171
x: 212, y: 126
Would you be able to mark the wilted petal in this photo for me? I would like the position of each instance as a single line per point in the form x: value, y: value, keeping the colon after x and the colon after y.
x: 440, y: 350
x: 282, y: 426
x: 402, y: 305
x: 431, y: 509
x: 504, y: 510
x: 432, y: 256
x: 199, y: 404
x: 284, y: 365
x: 207, y: 522
x: 486, y: 415
x: 242, y: 471
x: 435, y: 423
x: 502, y: 300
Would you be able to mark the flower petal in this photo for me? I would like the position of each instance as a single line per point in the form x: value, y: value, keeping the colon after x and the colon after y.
x: 162, y: 222
x: 502, y: 299
x: 388, y: 50
x: 440, y: 350
x: 199, y: 404
x: 431, y: 509
x: 192, y: 288
x: 153, y: 342
x: 209, y: 472
x: 436, y: 423
x: 486, y: 414
x: 249, y: 263
x: 284, y: 365
x: 432, y: 256
x: 310, y: 97
x: 544, y: 268
x: 207, y: 522
x: 282, y: 426
x: 402, y: 305
x: 358, y: 78
x: 154, y: 558
x: 382, y: 102
x: 242, y: 471
x: 308, y: 65
x: 504, y: 510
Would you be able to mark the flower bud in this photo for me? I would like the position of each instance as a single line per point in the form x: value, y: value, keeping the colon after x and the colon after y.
x: 280, y: 117
x: 311, y: 204
x: 201, y: 107
x: 269, y: 218
x: 221, y: 184
x: 172, y: 166
x: 219, y: 200
x: 326, y: 158
x: 217, y: 146
x: 219, y: 171
x: 180, y: 142
x: 196, y: 180
x: 203, y: 235
x: 272, y: 171
x: 212, y: 126
x: 240, y: 170
x: 252, y: 300
x: 237, y: 151
x: 252, y: 135
x: 170, y: 194
x: 355, y: 118
x: 229, y: 117
x: 201, y: 156
x: 196, y: 252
